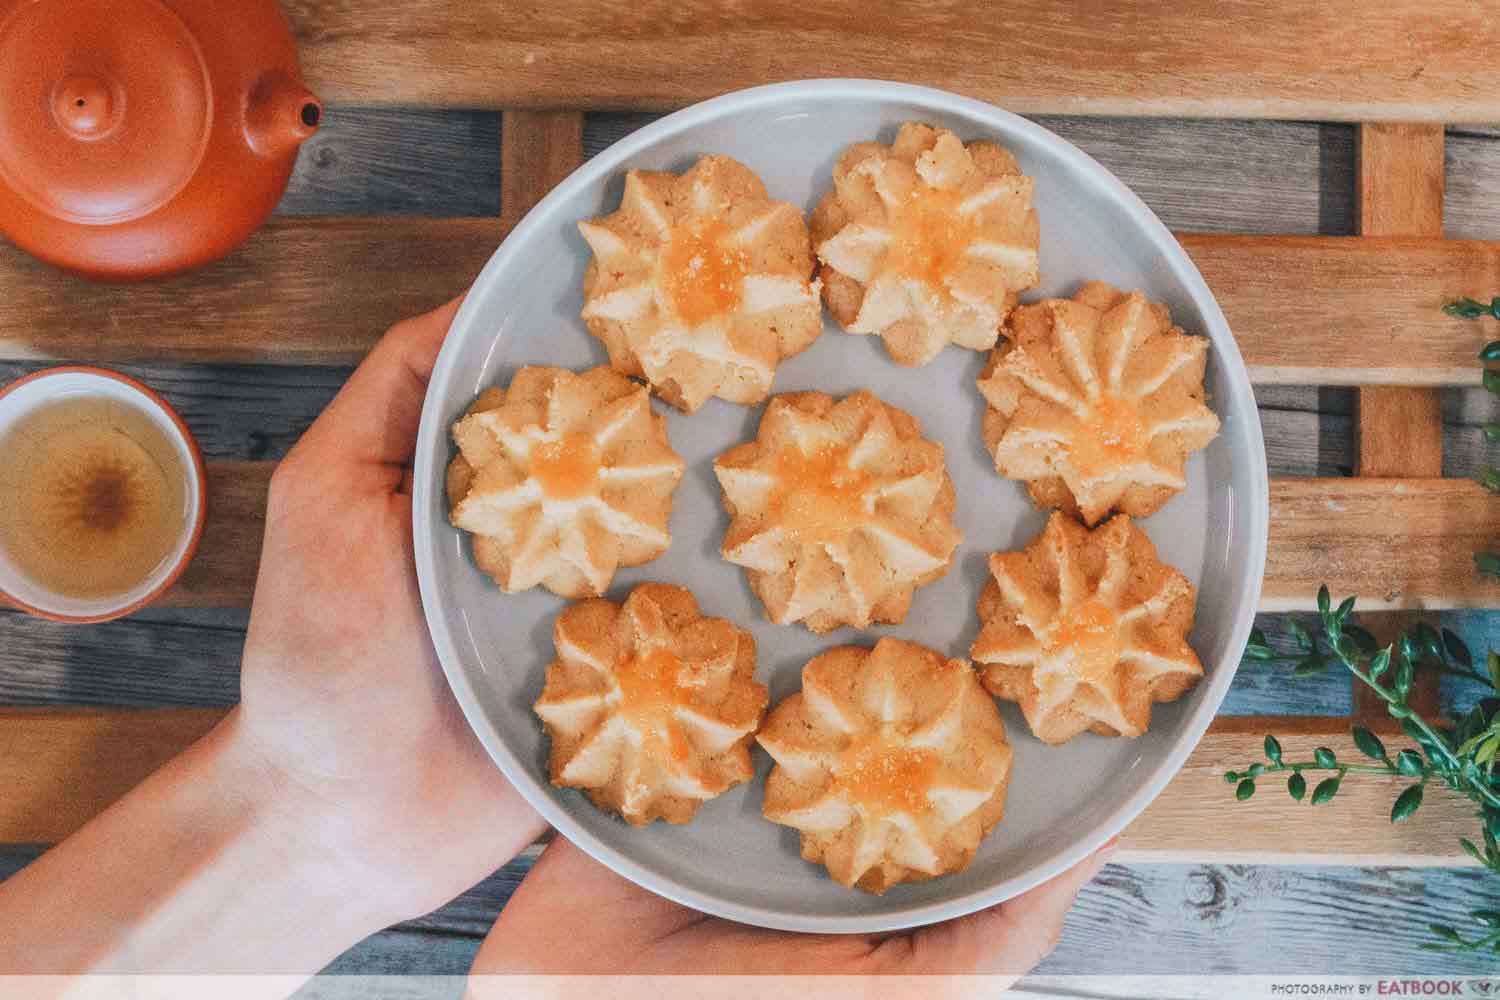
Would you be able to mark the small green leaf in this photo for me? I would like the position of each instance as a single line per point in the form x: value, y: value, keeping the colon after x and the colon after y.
x: 1491, y: 351
x: 1402, y: 682
x: 1492, y: 380
x: 1314, y: 664
x: 1325, y: 790
x: 1409, y: 763
x: 1470, y: 849
x: 1486, y: 751
x: 1231, y: 777
x: 1325, y: 757
x: 1407, y: 648
x: 1489, y: 478
x: 1380, y: 661
x: 1300, y: 635
x: 1406, y: 803
x: 1296, y: 785
x: 1369, y: 744
x: 1465, y: 308
x: 1447, y: 933
x: 1490, y: 918
x: 1347, y: 649
x: 1259, y: 653
x: 1493, y: 661
x: 1347, y: 607
x: 1432, y: 645
x: 1244, y: 790
x: 1323, y: 600
x: 1362, y: 638
x: 1258, y: 638
x: 1256, y: 770
x: 1410, y: 729
x: 1492, y: 433
x: 1456, y: 649
x: 1488, y: 563
x: 1273, y: 750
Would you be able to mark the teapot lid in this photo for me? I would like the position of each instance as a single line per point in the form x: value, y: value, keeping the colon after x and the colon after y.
x: 105, y: 107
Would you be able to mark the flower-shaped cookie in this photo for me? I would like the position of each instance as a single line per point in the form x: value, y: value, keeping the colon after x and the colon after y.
x: 892, y: 762
x: 561, y: 478
x: 649, y: 705
x: 1096, y: 402
x: 926, y: 242
x: 840, y: 510
x: 701, y: 283
x: 1086, y: 629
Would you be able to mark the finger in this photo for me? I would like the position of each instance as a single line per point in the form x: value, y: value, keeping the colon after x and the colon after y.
x: 373, y: 420
x: 1007, y: 939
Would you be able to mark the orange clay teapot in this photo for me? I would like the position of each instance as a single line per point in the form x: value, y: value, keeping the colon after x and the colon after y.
x: 140, y: 138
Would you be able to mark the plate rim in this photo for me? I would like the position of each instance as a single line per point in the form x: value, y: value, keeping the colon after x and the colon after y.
x: 425, y: 495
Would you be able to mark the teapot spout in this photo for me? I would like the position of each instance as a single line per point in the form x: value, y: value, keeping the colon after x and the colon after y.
x: 282, y: 115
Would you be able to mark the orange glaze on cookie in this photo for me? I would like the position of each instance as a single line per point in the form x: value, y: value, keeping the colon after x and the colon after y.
x: 819, y: 495
x: 929, y: 237
x: 567, y: 468
x: 703, y: 271
x: 1087, y: 641
x: 886, y: 777
x: 1112, y: 434
x: 649, y: 695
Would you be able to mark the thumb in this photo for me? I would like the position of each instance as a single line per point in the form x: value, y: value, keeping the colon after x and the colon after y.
x: 1011, y: 937
x: 373, y: 420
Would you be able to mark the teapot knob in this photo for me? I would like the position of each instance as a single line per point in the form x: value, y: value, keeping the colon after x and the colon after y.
x: 85, y: 107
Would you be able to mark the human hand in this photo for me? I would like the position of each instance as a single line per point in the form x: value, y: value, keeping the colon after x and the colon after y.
x: 630, y: 931
x: 342, y: 696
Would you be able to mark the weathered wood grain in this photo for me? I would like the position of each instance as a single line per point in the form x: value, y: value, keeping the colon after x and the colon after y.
x: 1341, y: 60
x: 1271, y: 178
x: 323, y: 290
x: 1396, y: 543
x: 302, y: 291
x: 61, y: 766
x: 152, y: 660
x: 1400, y: 427
x: 411, y: 161
x: 540, y: 149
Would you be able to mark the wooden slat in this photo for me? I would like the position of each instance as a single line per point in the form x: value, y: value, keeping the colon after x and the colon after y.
x: 1400, y: 428
x: 1305, y: 309
x: 1196, y: 819
x: 302, y: 291
x: 1394, y: 543
x: 538, y: 150
x: 1312, y: 310
x: 1418, y: 60
x: 61, y: 766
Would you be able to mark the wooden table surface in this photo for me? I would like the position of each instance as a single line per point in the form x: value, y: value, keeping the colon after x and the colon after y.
x: 1244, y: 177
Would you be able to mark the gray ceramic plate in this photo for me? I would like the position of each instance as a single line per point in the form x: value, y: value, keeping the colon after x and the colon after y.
x: 1064, y: 801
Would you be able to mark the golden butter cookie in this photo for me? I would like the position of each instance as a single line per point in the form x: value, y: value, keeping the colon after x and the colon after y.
x: 891, y: 761
x: 1085, y: 630
x: 650, y: 706
x: 561, y: 478
x: 1096, y: 402
x: 926, y: 242
x: 701, y: 283
x: 840, y: 509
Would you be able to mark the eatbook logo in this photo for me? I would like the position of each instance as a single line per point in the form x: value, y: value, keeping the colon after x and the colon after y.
x: 1484, y: 987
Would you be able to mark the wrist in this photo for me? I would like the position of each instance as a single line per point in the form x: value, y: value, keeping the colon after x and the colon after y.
x: 309, y: 844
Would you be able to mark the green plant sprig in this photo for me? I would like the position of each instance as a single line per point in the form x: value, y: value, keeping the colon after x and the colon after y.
x: 1462, y: 758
